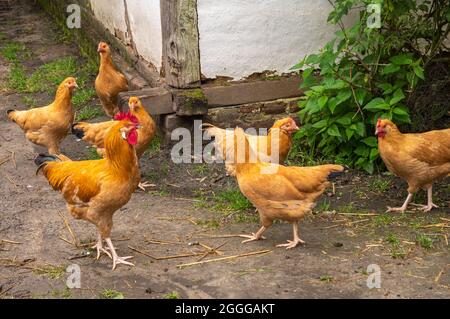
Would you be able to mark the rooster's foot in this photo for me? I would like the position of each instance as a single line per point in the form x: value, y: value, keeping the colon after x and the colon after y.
x: 99, y: 247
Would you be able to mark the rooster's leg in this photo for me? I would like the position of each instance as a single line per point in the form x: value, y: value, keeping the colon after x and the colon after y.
x: 293, y: 243
x: 99, y: 247
x: 116, y: 259
x: 403, y: 208
x: 254, y: 236
x: 430, y: 205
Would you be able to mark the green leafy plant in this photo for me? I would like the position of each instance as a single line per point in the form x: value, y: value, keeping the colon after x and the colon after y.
x: 365, y: 73
x: 111, y: 294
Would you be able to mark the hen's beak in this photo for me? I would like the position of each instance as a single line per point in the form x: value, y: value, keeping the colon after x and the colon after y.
x: 295, y: 128
x: 377, y: 131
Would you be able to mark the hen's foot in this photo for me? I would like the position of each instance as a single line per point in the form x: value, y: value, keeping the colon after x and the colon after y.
x: 396, y: 209
x: 427, y: 208
x: 122, y: 260
x: 292, y: 243
x: 252, y: 237
x: 143, y: 185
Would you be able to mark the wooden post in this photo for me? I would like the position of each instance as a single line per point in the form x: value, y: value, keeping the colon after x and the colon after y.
x: 181, y: 54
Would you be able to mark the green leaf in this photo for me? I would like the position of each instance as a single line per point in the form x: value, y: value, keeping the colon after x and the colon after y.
x: 343, y: 96
x: 360, y: 95
x: 398, y: 96
x: 402, y: 59
x: 370, y: 141
x: 418, y: 70
x: 362, y: 151
x: 318, y: 88
x: 368, y: 167
x: 298, y: 65
x: 345, y: 120
x: 320, y: 124
x: 349, y: 133
x: 373, y: 154
x: 307, y: 72
x: 312, y: 59
x: 386, y: 87
x: 376, y: 105
x: 333, y: 131
x: 360, y: 129
x: 390, y: 68
x: 322, y: 101
x: 400, y: 110
x: 332, y: 103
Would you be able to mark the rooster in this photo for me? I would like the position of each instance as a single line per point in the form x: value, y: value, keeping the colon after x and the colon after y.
x: 94, y: 133
x: 109, y: 82
x: 420, y: 159
x: 47, y: 126
x: 95, y: 189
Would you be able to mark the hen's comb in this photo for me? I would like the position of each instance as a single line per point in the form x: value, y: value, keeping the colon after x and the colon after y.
x: 379, y: 122
x: 121, y: 116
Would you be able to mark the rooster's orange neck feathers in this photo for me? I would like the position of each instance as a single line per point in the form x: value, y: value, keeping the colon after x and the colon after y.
x: 119, y: 153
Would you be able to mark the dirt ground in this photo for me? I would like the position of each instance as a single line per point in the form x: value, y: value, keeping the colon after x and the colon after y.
x: 182, y: 214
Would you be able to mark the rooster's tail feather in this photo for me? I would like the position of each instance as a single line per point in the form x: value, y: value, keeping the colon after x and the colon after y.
x: 42, y: 159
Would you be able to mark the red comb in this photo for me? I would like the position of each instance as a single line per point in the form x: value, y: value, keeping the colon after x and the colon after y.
x: 379, y: 122
x: 126, y: 116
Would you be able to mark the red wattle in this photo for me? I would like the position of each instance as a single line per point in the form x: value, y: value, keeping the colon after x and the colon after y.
x: 132, y: 137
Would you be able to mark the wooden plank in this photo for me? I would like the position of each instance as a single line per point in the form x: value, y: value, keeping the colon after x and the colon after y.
x: 157, y: 101
x: 251, y: 92
x: 181, y: 54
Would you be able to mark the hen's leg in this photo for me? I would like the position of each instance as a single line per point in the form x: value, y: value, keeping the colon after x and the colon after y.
x: 99, y: 247
x: 254, y: 236
x: 293, y: 243
x: 116, y: 259
x: 403, y: 208
x: 430, y: 204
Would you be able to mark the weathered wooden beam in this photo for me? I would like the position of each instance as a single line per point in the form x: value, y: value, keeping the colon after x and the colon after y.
x: 181, y: 54
x: 251, y: 92
x: 157, y: 101
x: 190, y: 102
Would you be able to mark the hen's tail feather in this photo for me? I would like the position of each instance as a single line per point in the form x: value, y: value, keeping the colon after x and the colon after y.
x: 42, y: 159
x: 335, y: 173
x: 10, y: 116
x: 77, y: 132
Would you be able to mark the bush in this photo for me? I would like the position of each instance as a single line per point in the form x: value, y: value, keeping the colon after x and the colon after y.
x: 368, y: 73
